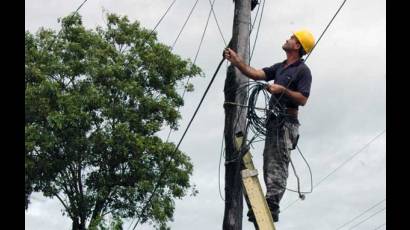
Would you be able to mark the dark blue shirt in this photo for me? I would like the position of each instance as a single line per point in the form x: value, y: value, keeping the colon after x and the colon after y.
x: 296, y: 77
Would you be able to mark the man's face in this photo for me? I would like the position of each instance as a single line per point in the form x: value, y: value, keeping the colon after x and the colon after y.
x: 291, y: 44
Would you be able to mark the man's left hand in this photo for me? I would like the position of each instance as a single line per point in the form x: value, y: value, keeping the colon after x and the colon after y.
x: 275, y: 88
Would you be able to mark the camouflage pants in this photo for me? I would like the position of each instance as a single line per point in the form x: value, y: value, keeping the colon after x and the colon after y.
x: 276, y: 156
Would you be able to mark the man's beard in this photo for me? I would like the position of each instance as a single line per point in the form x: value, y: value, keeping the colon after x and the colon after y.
x: 286, y: 47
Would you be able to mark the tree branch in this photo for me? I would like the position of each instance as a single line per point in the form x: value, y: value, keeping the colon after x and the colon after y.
x: 65, y: 205
x: 80, y: 186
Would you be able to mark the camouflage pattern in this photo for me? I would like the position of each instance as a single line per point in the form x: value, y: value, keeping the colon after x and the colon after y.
x: 280, y: 140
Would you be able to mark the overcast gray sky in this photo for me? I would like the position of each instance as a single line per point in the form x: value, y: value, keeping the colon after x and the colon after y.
x: 346, y: 109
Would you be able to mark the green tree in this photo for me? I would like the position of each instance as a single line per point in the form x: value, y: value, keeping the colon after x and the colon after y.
x: 94, y: 101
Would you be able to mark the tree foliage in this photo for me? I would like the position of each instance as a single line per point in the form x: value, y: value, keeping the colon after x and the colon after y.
x: 94, y: 101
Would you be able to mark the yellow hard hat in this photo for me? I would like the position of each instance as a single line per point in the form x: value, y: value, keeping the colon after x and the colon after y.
x: 305, y: 37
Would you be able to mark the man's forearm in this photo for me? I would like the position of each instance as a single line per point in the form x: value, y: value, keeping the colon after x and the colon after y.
x: 249, y: 71
x: 296, y: 96
x: 243, y: 67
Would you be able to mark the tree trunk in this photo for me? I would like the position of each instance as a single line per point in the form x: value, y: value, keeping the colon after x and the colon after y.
x: 235, y: 117
x: 76, y: 224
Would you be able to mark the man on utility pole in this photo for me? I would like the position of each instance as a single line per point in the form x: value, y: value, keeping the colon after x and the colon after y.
x: 291, y: 88
x: 235, y: 117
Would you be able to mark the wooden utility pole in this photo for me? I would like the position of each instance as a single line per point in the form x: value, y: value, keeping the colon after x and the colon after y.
x: 235, y: 117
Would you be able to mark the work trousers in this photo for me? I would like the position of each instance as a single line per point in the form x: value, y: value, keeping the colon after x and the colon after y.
x: 281, y: 138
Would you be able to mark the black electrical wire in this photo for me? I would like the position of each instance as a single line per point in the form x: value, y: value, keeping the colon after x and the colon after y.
x: 324, y: 31
x: 162, y: 17
x: 219, y: 168
x: 186, y: 21
x: 179, y: 143
x: 217, y: 23
x: 257, y: 123
x: 195, y: 58
x: 361, y: 222
x: 340, y: 166
x: 361, y: 214
x: 378, y: 227
x: 59, y: 33
x: 79, y: 7
x: 320, y: 37
x: 257, y: 31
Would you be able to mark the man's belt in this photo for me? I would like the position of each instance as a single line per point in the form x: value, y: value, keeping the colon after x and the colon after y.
x: 292, y: 111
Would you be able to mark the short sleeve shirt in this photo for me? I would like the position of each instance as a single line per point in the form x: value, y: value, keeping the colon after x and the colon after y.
x: 296, y: 77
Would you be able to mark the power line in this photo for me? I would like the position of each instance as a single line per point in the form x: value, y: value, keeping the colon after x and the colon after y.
x: 337, y: 168
x: 328, y: 25
x: 368, y: 218
x: 320, y: 37
x: 162, y: 17
x: 250, y: 57
x: 203, y: 33
x: 217, y: 23
x: 200, y: 103
x: 350, y: 158
x: 187, y: 19
x: 257, y: 31
x: 378, y: 227
x: 256, y: 16
x: 334, y: 16
x: 367, y: 210
x: 59, y: 33
x: 205, y: 90
x: 79, y: 7
x: 180, y: 141
x: 195, y: 58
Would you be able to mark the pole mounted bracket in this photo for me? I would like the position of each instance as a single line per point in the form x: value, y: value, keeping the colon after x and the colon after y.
x: 254, y: 3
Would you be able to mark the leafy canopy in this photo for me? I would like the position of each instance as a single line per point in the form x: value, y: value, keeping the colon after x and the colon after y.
x: 94, y: 100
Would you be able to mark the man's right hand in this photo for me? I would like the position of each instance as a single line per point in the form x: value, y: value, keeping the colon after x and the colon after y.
x: 236, y: 60
x: 231, y: 56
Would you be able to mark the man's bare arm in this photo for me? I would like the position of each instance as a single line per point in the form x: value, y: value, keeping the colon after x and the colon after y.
x: 255, y: 74
x: 296, y: 96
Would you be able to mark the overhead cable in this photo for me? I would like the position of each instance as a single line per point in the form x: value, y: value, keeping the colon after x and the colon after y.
x: 340, y: 166
x: 361, y: 214
x: 361, y: 222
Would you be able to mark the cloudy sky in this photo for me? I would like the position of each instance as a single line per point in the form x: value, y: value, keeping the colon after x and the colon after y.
x: 346, y: 109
